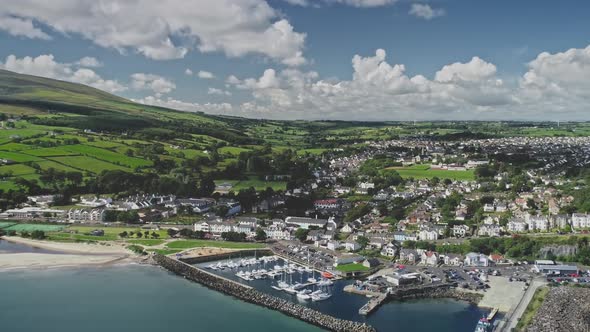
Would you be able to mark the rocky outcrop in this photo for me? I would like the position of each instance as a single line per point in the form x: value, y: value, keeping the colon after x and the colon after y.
x: 558, y: 251
x: 564, y: 309
x: 251, y: 295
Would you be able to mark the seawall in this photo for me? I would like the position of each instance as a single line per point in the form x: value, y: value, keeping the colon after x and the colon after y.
x: 251, y: 295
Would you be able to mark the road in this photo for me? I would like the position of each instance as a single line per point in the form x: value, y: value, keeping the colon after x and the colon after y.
x: 522, y: 305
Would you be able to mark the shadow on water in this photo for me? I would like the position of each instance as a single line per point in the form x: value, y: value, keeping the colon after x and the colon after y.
x: 439, y: 315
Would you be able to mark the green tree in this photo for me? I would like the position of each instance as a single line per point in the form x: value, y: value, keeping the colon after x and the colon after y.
x: 363, y: 241
x: 37, y: 235
x: 301, y: 234
x: 260, y: 234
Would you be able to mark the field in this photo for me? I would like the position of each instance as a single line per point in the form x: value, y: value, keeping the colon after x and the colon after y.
x: 17, y: 157
x: 50, y: 152
x: 5, y: 224
x: 89, y: 164
x: 112, y: 233
x: 186, y: 244
x: 352, y: 268
x: 107, y: 155
x: 16, y: 169
x: 237, y: 185
x: 35, y: 227
x: 147, y: 242
x: 425, y: 172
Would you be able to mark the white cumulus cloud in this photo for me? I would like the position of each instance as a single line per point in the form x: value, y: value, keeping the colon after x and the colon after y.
x: 205, y: 74
x: 46, y: 66
x: 23, y: 27
x: 164, y: 29
x: 425, y: 11
x: 156, y: 83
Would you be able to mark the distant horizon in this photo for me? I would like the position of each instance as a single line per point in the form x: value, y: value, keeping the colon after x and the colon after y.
x: 350, y: 60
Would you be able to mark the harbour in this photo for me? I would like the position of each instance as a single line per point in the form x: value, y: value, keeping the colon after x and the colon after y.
x: 343, y: 303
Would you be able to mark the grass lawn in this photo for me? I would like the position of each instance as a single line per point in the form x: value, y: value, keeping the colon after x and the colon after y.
x: 352, y: 268
x: 89, y: 164
x: 5, y: 224
x: 424, y: 172
x: 311, y: 151
x: 147, y: 242
x: 232, y: 150
x: 165, y: 251
x: 17, y: 169
x: 186, y: 244
x: 532, y: 308
x: 252, y: 182
x: 112, y: 233
x: 107, y: 155
x: 17, y: 157
x: 50, y: 152
x: 34, y: 227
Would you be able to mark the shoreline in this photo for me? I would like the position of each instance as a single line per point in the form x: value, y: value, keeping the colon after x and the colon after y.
x: 68, y: 255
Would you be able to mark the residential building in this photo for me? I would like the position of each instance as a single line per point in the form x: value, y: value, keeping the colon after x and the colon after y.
x: 305, y: 223
x: 478, y: 260
x: 489, y: 230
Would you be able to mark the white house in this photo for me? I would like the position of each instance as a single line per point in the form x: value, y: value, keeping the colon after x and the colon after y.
x: 389, y: 250
x: 460, y: 230
x: 305, y: 223
x: 429, y: 258
x: 428, y: 235
x: 489, y: 230
x: 517, y: 226
x: 580, y: 220
x: 475, y: 259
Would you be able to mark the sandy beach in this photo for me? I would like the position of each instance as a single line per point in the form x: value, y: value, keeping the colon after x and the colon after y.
x: 71, y: 255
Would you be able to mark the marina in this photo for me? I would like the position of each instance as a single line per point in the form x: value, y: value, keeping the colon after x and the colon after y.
x: 451, y: 315
x: 304, y: 283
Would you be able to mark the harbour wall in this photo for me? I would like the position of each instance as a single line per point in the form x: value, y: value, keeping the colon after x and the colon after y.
x: 251, y: 295
x: 226, y: 255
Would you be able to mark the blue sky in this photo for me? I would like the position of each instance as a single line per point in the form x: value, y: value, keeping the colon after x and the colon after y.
x: 293, y: 59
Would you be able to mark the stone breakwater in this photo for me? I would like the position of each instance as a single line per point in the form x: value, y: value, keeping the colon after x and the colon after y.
x: 435, y: 291
x: 253, y: 296
x: 564, y: 309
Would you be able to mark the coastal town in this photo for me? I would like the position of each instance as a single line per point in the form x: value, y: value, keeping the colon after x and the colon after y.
x: 403, y: 218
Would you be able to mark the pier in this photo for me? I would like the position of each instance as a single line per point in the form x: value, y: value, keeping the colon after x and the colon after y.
x: 373, y: 304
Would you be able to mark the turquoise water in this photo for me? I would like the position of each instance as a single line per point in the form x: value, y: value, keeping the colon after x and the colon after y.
x: 131, y: 298
x: 145, y: 298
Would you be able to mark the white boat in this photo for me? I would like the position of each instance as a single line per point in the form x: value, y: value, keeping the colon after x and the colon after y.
x: 297, y: 286
x: 320, y: 296
x: 325, y: 282
x: 312, y: 280
x: 290, y: 290
x: 303, y: 296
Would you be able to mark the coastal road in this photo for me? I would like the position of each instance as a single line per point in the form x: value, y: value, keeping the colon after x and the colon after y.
x: 522, y: 305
